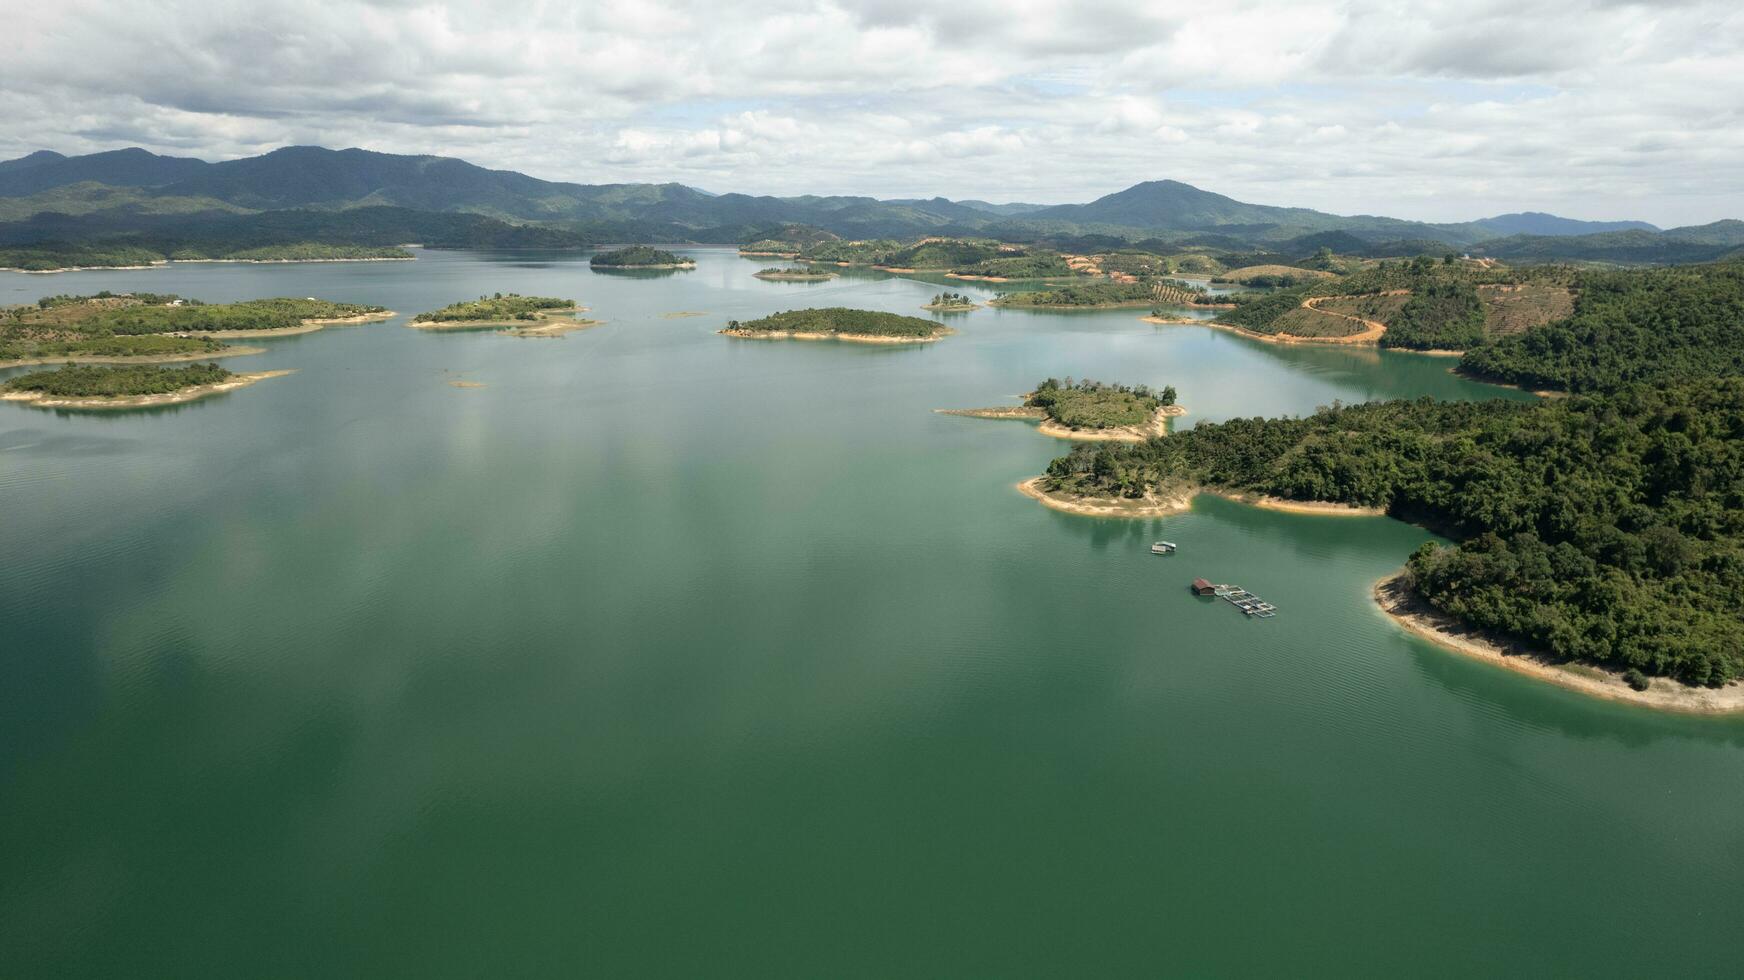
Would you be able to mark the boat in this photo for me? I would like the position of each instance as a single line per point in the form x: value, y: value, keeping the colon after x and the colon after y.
x: 1163, y: 548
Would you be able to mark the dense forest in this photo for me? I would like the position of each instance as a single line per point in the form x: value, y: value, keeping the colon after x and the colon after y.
x: 82, y: 381
x: 638, y: 257
x: 840, y: 320
x: 1656, y: 326
x: 1605, y: 528
x: 192, y: 316
x: 1094, y: 405
x: 500, y: 308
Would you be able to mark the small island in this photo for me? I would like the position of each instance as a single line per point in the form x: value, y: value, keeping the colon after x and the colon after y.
x: 1091, y: 411
x: 524, y: 316
x: 951, y: 303
x: 839, y: 323
x: 640, y: 257
x: 140, y: 328
x: 84, y: 387
x: 790, y: 274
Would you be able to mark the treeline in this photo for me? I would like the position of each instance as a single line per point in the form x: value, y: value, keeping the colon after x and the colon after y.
x: 83, y: 381
x: 498, y: 307
x: 1604, y: 528
x: 196, y: 317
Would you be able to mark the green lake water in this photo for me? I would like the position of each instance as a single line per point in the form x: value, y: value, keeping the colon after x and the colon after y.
x: 667, y: 654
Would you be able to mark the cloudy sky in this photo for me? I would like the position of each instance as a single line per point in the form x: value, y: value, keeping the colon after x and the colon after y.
x: 1432, y: 110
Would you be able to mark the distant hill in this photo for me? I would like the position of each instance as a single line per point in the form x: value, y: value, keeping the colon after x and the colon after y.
x: 131, y: 191
x: 1539, y: 223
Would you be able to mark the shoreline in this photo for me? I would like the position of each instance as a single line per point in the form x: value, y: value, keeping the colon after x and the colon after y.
x: 83, y: 268
x: 1149, y: 506
x: 771, y: 255
x: 794, y: 276
x: 545, y: 323
x: 36, y: 399
x: 951, y: 308
x: 373, y: 258
x: 849, y: 338
x: 1416, y: 616
x: 307, y: 326
x: 661, y: 265
x: 1320, y: 508
x: 1157, y: 428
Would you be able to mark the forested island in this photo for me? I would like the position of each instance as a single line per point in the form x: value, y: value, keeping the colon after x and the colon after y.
x: 791, y: 274
x: 529, y: 316
x: 640, y: 257
x: 839, y: 323
x: 951, y: 303
x: 157, y: 327
x: 1604, y: 529
x: 78, y: 386
x: 1091, y: 410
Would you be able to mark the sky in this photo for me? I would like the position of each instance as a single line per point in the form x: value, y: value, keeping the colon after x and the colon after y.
x: 1431, y: 110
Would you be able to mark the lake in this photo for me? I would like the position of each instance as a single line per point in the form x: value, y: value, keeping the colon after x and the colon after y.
x: 668, y: 654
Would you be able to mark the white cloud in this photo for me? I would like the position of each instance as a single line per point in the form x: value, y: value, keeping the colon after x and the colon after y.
x: 1437, y: 110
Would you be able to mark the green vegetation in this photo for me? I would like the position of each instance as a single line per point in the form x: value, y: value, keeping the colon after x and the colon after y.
x: 1440, y: 315
x: 1655, y: 326
x: 1085, y: 295
x: 81, y: 381
x: 1094, y: 405
x: 840, y: 320
x: 951, y: 301
x: 1038, y: 265
x: 872, y: 252
x: 1141, y: 264
x: 770, y: 246
x: 142, y: 324
x: 298, y: 252
x: 48, y: 258
x: 1596, y: 528
x: 500, y: 308
x: 1270, y: 276
x: 638, y: 257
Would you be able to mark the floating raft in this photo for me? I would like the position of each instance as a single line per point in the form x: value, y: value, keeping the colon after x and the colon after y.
x: 1240, y: 598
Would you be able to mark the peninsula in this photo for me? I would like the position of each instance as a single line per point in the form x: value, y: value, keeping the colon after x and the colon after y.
x: 640, y: 257
x: 84, y: 387
x: 839, y: 323
x: 523, y: 316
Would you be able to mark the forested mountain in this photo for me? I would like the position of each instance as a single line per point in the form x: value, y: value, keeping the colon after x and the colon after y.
x: 1539, y: 223
x: 115, y: 191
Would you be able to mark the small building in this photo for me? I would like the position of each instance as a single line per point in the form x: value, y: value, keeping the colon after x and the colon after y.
x: 1202, y: 587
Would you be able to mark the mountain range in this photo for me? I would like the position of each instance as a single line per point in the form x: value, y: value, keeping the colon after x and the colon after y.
x: 47, y: 196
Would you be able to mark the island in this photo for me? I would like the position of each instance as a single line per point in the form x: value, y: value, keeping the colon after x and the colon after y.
x: 1091, y: 411
x: 157, y: 327
x: 508, y: 313
x: 640, y: 257
x: 839, y: 323
x: 85, y: 387
x: 951, y: 303
x: 790, y: 274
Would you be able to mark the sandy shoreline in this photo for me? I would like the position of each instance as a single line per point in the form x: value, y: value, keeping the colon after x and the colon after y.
x: 1321, y: 508
x: 134, y: 358
x: 849, y: 338
x: 771, y: 255
x: 1417, y: 616
x: 1157, y: 428
x: 83, y: 268
x: 951, y: 307
x: 37, y: 399
x: 545, y: 323
x: 307, y: 326
x: 1010, y: 412
x: 1149, y: 506
x: 377, y: 258
x: 660, y: 265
